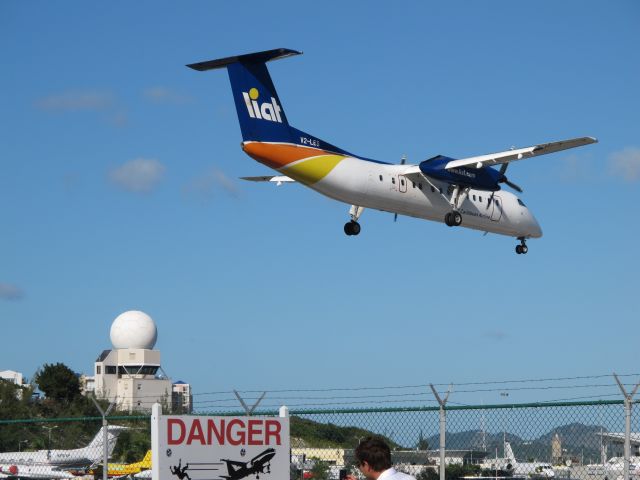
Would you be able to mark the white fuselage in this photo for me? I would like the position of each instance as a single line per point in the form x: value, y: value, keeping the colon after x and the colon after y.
x: 384, y: 187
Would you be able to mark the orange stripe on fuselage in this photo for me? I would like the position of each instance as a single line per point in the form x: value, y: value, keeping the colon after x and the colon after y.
x: 277, y: 155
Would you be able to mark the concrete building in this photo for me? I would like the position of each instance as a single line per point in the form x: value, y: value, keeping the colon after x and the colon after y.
x: 11, y: 376
x: 181, y: 398
x: 131, y: 374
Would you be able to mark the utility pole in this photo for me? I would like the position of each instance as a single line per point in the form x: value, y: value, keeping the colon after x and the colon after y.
x: 443, y: 426
x: 628, y: 400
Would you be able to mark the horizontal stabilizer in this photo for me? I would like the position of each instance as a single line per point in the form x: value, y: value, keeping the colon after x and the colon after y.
x: 258, y: 57
x: 277, y: 179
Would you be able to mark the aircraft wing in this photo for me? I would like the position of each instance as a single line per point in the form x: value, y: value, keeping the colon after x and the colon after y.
x: 519, y: 153
x: 277, y: 179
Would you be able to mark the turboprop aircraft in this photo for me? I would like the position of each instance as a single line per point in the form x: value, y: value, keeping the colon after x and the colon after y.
x: 464, y: 192
x: 56, y: 463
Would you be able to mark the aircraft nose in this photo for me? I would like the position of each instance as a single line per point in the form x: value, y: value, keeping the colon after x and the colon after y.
x: 534, y: 226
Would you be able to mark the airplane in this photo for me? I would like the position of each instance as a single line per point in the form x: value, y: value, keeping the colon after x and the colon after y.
x: 528, y: 469
x: 56, y: 463
x: 255, y: 466
x: 124, y: 469
x: 465, y: 192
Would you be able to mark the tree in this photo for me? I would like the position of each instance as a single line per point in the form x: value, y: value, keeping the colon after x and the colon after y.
x: 422, y: 443
x: 58, y: 382
x: 320, y: 470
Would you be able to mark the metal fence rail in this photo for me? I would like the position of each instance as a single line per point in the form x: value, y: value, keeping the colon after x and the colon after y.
x: 571, y: 440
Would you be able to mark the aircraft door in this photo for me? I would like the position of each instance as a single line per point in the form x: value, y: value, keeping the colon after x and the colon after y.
x: 496, y: 208
x: 402, y: 184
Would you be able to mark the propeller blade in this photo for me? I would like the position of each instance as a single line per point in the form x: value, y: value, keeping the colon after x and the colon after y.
x: 513, y: 185
x: 503, y: 168
x: 395, y: 217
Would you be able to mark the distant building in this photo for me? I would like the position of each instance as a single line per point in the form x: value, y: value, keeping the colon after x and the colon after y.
x: 181, y: 397
x: 14, y: 377
x: 11, y: 376
x: 131, y: 374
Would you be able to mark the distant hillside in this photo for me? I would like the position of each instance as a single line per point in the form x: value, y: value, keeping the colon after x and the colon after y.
x: 307, y: 433
x: 577, y: 440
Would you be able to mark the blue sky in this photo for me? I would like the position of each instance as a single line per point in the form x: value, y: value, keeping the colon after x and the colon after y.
x: 119, y: 180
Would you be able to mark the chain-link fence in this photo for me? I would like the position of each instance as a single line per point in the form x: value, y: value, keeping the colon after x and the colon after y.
x: 570, y: 440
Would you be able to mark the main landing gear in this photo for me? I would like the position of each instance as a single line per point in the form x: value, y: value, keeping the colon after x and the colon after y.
x: 353, y: 227
x: 522, y: 249
x: 453, y: 219
x: 458, y: 196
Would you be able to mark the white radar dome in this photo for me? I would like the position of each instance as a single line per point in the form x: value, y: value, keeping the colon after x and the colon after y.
x: 133, y: 329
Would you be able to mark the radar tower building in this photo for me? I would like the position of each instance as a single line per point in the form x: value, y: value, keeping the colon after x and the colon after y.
x: 131, y: 374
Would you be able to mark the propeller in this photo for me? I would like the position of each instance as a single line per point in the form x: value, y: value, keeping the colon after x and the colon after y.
x: 403, y: 160
x: 504, y: 179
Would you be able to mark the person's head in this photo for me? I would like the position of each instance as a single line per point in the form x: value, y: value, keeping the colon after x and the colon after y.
x: 373, y: 456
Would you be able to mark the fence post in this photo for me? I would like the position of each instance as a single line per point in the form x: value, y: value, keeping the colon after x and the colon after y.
x: 249, y: 410
x: 628, y: 398
x: 443, y: 427
x: 105, y: 436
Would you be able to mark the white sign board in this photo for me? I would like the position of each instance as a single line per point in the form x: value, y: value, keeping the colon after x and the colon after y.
x: 187, y: 447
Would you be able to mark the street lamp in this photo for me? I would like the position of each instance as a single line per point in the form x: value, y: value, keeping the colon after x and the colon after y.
x: 49, y: 446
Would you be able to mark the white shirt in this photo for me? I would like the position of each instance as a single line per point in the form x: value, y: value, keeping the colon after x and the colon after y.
x: 393, y: 474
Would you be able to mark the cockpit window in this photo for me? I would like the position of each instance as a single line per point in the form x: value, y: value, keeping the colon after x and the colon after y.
x: 521, y: 203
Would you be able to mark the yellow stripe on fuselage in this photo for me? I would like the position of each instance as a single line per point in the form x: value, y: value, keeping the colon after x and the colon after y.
x: 312, y: 170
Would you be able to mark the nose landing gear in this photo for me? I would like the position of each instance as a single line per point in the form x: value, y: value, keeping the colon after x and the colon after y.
x: 522, y: 248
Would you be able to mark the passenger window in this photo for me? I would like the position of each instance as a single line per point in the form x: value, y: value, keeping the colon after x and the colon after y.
x: 420, y: 186
x: 380, y: 177
x: 393, y: 180
x: 433, y: 190
x: 440, y: 190
x: 414, y: 184
x: 402, y: 182
x: 480, y: 199
x: 474, y: 198
x: 497, y: 203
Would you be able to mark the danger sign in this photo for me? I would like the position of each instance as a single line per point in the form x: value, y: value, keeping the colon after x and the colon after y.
x: 220, y: 448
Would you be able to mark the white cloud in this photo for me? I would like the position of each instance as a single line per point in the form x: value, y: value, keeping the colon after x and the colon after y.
x: 497, y: 335
x: 10, y: 292
x: 141, y: 175
x: 626, y: 164
x: 74, y: 101
x: 165, y: 95
x: 206, y: 185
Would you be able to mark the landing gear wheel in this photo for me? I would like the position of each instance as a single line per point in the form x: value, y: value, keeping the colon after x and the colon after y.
x: 522, y: 248
x: 453, y: 219
x: 352, y: 228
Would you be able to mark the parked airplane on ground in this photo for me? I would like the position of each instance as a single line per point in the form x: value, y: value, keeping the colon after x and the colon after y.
x: 56, y: 463
x: 456, y: 192
x: 124, y: 469
x: 255, y: 466
x: 529, y: 469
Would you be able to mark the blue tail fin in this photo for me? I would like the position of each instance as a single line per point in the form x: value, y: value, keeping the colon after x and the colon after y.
x: 259, y: 109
